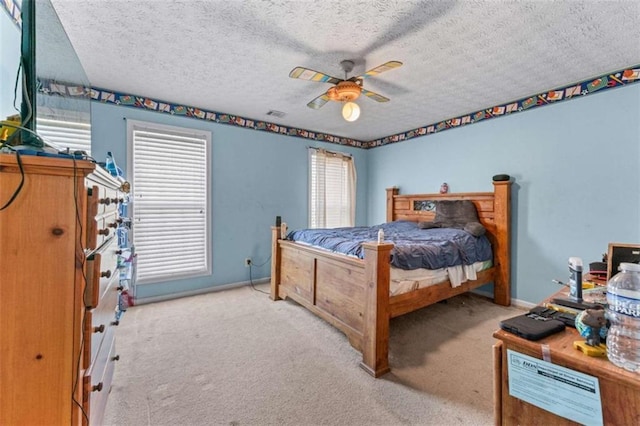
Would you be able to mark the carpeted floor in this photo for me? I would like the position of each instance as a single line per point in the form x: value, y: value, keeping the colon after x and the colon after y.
x: 235, y: 357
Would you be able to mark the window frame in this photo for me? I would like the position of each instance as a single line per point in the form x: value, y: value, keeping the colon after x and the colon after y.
x: 135, y: 125
x: 349, y: 190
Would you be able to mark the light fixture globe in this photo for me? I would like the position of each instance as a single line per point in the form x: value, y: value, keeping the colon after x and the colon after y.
x: 350, y: 111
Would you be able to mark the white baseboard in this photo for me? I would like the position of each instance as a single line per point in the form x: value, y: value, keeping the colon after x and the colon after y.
x: 154, y: 299
x: 514, y: 302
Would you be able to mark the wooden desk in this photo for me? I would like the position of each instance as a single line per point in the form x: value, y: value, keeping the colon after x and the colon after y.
x: 619, y: 389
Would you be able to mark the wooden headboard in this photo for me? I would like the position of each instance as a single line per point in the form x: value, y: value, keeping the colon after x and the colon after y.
x: 420, y: 207
x: 494, y: 212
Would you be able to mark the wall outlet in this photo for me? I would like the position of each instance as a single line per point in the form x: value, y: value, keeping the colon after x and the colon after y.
x: 247, y: 262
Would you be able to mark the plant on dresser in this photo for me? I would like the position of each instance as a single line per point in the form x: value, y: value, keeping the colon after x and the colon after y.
x: 59, y: 291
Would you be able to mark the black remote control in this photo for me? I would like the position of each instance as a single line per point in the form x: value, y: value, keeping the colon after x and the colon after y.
x: 571, y: 304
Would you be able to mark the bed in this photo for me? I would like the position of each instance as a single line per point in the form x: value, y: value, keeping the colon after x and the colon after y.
x: 355, y: 294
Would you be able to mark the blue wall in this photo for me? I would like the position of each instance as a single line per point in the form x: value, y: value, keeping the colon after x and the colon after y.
x: 255, y: 176
x: 576, y: 189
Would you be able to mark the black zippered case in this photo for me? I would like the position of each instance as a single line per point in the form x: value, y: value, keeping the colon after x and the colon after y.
x: 532, y: 327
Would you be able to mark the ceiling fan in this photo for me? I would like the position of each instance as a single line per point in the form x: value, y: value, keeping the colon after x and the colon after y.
x: 347, y: 90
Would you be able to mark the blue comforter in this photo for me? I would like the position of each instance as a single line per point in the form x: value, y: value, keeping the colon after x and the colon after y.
x: 414, y: 247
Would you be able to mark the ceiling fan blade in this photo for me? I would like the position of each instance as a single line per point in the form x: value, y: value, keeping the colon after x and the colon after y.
x: 311, y: 75
x: 374, y: 96
x: 379, y: 69
x: 319, y: 102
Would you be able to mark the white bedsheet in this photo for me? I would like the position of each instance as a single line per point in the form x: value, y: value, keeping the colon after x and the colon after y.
x: 403, y: 281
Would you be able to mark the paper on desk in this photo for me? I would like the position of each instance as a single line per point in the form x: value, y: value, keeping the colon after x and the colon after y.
x: 559, y: 390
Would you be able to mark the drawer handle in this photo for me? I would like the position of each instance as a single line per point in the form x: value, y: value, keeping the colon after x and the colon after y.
x: 120, y: 288
x: 116, y: 358
x: 105, y: 274
x: 116, y: 323
x: 105, y: 201
x: 99, y: 329
x: 114, y: 200
x: 104, y: 232
x: 113, y: 225
x: 118, y: 252
x: 97, y: 387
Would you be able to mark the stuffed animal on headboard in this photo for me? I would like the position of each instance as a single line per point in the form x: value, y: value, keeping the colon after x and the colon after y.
x: 459, y: 214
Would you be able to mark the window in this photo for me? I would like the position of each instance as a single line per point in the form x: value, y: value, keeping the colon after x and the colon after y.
x: 332, y: 189
x: 63, y: 134
x: 169, y: 172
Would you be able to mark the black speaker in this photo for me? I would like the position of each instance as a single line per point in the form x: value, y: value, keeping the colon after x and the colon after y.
x: 501, y: 178
x: 278, y: 221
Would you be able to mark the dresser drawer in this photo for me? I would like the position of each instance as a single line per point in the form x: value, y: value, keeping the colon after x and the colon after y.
x: 107, y: 199
x: 102, y: 199
x: 99, y: 324
x: 102, y: 213
x: 97, y: 383
x: 100, y: 228
x: 102, y: 269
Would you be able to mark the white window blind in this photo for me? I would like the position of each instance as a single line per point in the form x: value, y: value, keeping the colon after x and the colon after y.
x: 62, y: 134
x: 169, y: 176
x: 332, y: 189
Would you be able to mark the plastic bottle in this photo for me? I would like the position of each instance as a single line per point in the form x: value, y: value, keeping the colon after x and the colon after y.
x: 110, y: 164
x: 380, y: 236
x: 623, y: 310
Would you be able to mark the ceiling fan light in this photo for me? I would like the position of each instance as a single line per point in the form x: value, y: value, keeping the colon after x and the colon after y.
x: 345, y: 91
x: 350, y: 111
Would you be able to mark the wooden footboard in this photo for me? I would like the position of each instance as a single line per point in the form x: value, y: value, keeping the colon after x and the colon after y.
x: 353, y: 294
x: 349, y: 293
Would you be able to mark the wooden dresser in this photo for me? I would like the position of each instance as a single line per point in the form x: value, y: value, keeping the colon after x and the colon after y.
x: 58, y: 290
x: 619, y: 389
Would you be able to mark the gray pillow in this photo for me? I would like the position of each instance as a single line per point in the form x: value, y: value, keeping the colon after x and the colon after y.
x: 459, y: 214
x: 428, y: 225
x: 475, y: 228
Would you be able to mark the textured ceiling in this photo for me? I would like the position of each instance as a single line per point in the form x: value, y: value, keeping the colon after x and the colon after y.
x: 459, y: 56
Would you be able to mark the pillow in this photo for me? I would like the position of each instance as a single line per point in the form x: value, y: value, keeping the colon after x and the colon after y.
x: 459, y: 214
x: 475, y: 228
x: 428, y: 225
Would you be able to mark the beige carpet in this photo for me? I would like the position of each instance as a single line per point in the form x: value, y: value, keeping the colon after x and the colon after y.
x: 237, y: 358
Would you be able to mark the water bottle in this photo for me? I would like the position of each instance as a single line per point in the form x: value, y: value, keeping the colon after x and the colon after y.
x: 623, y: 310
x: 110, y: 164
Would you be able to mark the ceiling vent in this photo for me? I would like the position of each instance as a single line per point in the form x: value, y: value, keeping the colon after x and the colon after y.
x: 275, y: 113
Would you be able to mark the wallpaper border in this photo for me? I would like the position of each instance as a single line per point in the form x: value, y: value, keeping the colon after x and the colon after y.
x: 123, y: 99
x: 590, y: 86
x: 620, y: 78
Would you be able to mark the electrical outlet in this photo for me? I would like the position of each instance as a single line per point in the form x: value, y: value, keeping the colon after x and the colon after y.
x: 247, y: 262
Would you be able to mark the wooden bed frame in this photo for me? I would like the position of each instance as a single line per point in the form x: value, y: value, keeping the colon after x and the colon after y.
x: 353, y: 294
